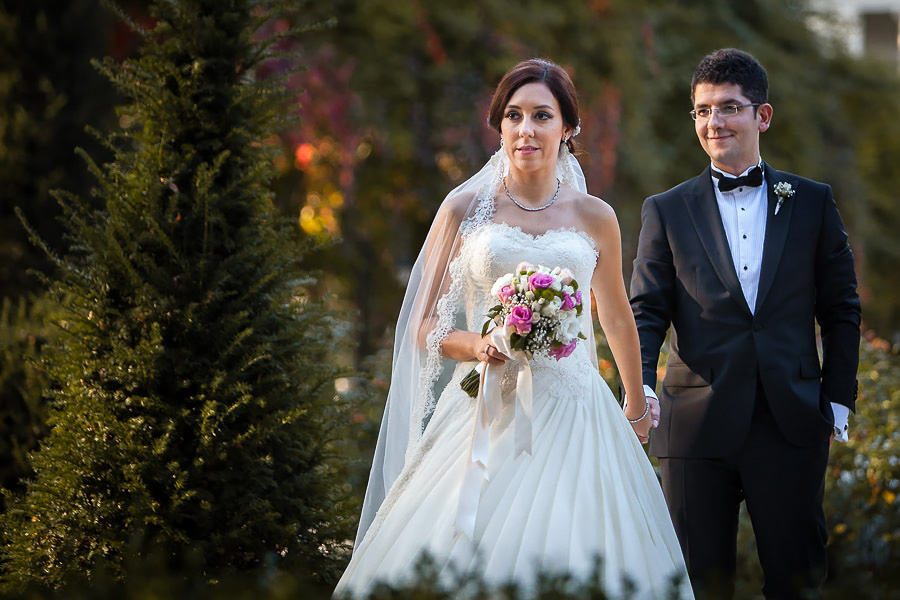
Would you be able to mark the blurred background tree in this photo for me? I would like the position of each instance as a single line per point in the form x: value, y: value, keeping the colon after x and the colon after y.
x: 49, y: 95
x: 396, y: 94
x: 23, y: 410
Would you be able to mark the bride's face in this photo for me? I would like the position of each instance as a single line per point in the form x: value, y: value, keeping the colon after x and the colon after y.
x: 532, y: 128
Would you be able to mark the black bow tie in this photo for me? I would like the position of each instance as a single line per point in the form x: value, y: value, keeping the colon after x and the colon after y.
x: 753, y: 179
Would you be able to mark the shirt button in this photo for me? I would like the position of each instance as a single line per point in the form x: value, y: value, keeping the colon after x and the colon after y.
x: 745, y: 236
x: 745, y: 267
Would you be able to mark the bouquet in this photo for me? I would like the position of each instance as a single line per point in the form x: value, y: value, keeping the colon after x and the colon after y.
x: 540, y: 307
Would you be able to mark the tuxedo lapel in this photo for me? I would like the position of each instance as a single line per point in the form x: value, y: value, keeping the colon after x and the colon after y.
x: 704, y: 212
x: 776, y: 233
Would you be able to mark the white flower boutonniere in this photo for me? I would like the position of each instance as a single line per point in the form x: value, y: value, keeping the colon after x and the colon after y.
x: 783, y: 190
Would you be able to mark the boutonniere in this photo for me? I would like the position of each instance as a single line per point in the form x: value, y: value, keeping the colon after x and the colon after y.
x: 783, y: 190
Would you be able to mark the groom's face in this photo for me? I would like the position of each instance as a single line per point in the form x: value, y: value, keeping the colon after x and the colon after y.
x: 731, y: 142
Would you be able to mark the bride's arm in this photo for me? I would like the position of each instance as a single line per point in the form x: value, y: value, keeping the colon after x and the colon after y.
x: 441, y: 247
x: 614, y: 310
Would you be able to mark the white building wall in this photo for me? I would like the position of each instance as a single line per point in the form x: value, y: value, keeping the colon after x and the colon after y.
x: 848, y: 21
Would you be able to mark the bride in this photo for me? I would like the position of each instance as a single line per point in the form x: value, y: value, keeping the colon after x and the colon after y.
x: 553, y: 475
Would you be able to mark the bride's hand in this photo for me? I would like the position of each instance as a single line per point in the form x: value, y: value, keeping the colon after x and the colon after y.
x: 487, y: 352
x: 642, y: 425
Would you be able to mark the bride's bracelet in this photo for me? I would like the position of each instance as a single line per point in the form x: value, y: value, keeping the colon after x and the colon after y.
x: 643, y: 416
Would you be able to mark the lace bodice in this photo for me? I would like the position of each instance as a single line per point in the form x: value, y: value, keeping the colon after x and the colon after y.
x: 495, y: 249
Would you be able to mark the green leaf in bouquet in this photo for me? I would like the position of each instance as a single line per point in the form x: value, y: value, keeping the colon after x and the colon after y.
x: 484, y: 328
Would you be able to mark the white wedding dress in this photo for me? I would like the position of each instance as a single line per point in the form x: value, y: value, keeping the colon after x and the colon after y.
x: 585, y: 491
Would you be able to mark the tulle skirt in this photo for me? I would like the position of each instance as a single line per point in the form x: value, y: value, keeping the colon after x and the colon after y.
x: 586, y: 491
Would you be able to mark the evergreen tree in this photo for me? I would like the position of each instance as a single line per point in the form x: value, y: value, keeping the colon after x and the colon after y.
x: 193, y: 405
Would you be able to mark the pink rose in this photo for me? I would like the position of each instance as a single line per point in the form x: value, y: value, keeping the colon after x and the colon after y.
x: 568, y: 302
x: 524, y: 267
x: 505, y: 293
x: 540, y: 281
x: 566, y: 277
x: 520, y: 318
x: 559, y: 352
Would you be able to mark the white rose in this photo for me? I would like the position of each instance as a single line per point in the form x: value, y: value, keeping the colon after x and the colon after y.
x: 569, y: 326
x: 573, y: 327
x: 552, y: 307
x: 568, y: 289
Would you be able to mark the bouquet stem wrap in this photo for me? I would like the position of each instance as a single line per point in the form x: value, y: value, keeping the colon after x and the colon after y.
x: 489, y: 404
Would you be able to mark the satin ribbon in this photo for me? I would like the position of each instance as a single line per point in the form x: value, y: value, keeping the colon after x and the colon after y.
x: 489, y: 405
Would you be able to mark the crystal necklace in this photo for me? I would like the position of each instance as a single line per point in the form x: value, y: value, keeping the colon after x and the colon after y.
x: 529, y: 209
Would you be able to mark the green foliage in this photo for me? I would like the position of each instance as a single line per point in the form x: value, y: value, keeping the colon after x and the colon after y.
x: 23, y: 332
x: 862, y: 493
x: 192, y: 383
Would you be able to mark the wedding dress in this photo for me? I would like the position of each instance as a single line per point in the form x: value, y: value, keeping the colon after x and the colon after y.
x: 586, y: 489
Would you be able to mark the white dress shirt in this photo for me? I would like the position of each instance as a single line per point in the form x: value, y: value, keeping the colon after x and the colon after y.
x: 743, y: 211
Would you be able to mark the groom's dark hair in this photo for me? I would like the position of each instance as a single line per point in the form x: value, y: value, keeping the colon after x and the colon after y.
x: 729, y: 65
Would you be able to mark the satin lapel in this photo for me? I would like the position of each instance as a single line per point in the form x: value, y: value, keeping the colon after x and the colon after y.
x: 704, y: 212
x: 776, y: 233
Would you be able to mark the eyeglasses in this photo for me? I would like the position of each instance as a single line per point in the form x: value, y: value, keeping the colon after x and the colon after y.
x: 729, y: 110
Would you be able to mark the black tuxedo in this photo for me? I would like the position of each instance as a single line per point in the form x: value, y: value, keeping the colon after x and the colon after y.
x: 731, y: 368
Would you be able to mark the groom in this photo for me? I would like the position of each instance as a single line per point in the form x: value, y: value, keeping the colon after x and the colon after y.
x: 742, y: 261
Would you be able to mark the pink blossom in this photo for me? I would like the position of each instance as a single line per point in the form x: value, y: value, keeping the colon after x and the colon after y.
x: 577, y: 297
x: 568, y: 302
x: 524, y: 267
x: 540, y: 281
x: 559, y: 352
x: 520, y: 318
x: 566, y: 277
x: 505, y: 293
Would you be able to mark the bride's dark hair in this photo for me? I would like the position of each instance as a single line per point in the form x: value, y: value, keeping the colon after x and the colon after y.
x: 537, y: 70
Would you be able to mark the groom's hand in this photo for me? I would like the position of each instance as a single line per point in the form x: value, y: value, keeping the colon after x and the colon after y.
x: 654, y: 410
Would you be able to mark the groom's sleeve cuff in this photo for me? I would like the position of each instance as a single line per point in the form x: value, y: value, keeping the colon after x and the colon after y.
x: 648, y: 392
x: 841, y: 422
